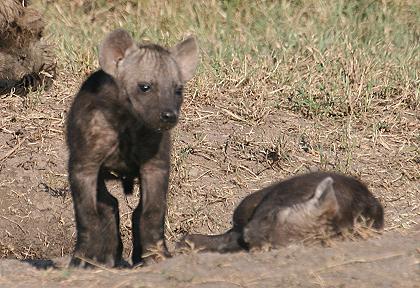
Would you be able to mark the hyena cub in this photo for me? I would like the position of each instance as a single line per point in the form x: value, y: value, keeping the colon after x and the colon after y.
x: 294, y: 209
x: 119, y: 126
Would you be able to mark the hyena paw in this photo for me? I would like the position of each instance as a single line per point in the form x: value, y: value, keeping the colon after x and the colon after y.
x: 82, y: 261
x: 155, y: 254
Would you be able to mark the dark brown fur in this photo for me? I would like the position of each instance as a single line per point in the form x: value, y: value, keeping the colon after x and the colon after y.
x: 118, y: 127
x: 26, y: 60
x: 287, y: 212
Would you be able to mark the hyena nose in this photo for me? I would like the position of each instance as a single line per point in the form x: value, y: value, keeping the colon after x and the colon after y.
x: 169, y: 117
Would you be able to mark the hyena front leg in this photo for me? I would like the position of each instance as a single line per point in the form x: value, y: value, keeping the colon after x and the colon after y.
x: 149, y: 217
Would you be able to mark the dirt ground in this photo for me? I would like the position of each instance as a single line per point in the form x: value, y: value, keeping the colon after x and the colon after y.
x: 217, y: 159
x: 392, y: 260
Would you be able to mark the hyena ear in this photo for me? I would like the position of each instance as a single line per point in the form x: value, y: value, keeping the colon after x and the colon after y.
x: 283, y: 214
x: 185, y: 54
x: 113, y: 49
x: 324, y: 197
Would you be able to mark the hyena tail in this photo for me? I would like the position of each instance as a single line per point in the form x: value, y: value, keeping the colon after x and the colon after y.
x: 231, y: 241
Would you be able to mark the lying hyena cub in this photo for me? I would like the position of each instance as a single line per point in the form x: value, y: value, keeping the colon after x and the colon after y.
x: 119, y: 126
x: 293, y: 210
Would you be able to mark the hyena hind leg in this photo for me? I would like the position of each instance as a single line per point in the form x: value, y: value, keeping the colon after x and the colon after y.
x: 102, y: 242
x: 231, y: 241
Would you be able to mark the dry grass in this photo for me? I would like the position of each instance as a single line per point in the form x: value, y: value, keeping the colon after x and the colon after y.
x: 283, y: 88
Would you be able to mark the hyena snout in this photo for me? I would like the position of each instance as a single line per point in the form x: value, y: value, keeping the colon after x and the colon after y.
x: 169, y: 117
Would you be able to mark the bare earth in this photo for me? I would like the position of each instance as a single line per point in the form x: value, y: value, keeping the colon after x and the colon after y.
x: 217, y: 161
x: 392, y: 260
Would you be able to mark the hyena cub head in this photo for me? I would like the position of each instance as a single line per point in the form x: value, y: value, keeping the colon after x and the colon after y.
x: 150, y: 77
x: 287, y: 224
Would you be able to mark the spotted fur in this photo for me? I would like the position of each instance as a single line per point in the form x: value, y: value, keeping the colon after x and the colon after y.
x: 119, y: 127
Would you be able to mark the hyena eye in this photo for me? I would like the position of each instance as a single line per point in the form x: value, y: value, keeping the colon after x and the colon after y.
x: 144, y: 87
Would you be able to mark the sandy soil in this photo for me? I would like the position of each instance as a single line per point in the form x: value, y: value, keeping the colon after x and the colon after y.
x: 392, y: 260
x: 212, y: 170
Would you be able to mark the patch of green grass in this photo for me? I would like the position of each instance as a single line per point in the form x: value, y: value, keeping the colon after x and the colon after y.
x: 322, y: 58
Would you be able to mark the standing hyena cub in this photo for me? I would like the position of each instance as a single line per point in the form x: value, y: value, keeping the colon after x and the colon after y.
x: 292, y: 210
x: 119, y: 125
